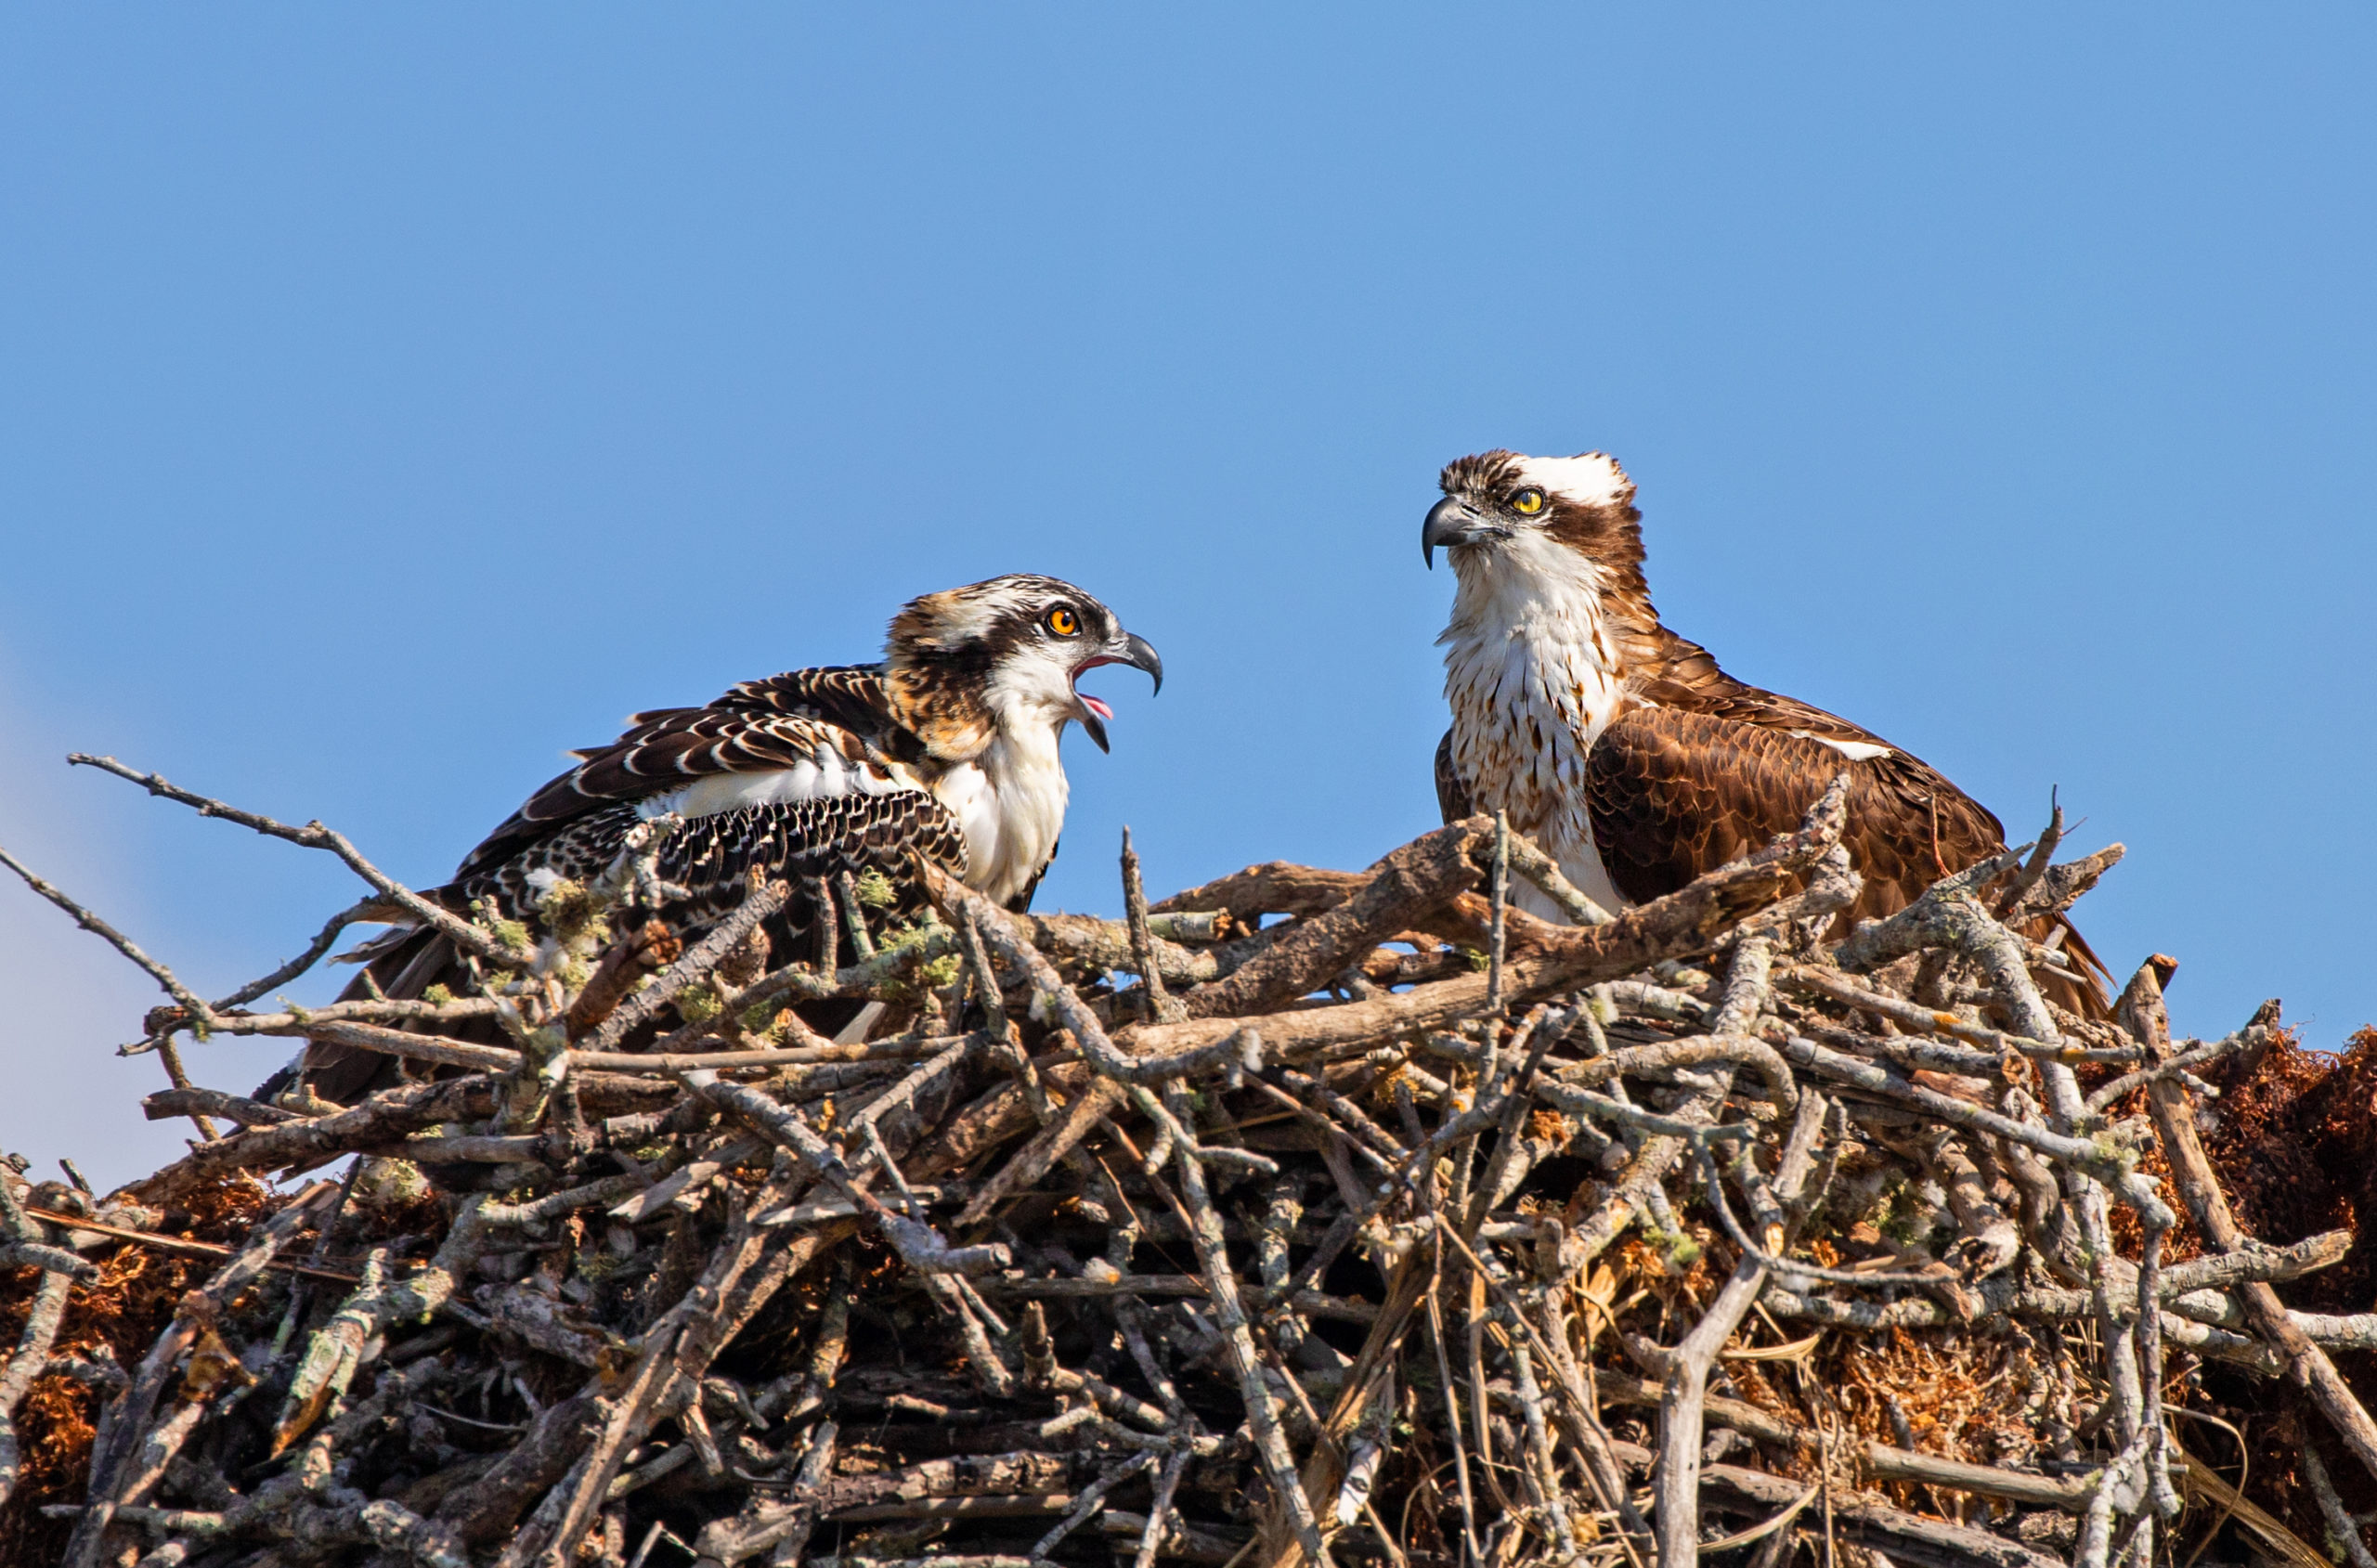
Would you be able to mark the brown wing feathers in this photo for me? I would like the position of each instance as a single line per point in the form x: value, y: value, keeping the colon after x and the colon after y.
x: 1709, y: 768
x: 1674, y: 793
x: 576, y: 825
x: 1452, y: 790
x: 755, y: 727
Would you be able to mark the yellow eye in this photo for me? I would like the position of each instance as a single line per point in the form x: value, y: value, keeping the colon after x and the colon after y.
x: 1526, y: 503
x: 1063, y: 622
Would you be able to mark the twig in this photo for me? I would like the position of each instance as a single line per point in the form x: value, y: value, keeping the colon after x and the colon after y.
x: 1544, y: 872
x: 920, y: 1246
x: 699, y: 963
x: 854, y: 915
x: 2192, y: 1173
x: 313, y: 836
x: 127, y: 1418
x: 996, y: 929
x: 1221, y: 1287
x: 170, y: 1244
x: 1499, y: 938
x: 29, y: 1362
x: 2342, y: 1529
x: 1134, y: 911
x: 356, y: 913
x: 89, y: 922
x: 1676, y: 1477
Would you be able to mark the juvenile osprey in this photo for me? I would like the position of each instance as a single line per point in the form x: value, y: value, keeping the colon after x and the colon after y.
x: 1617, y: 745
x: 948, y: 746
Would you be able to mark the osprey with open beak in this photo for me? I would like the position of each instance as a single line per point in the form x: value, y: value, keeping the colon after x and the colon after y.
x: 947, y: 749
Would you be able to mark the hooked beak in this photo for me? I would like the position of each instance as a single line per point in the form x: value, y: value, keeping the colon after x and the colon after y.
x: 1450, y: 521
x: 1130, y: 649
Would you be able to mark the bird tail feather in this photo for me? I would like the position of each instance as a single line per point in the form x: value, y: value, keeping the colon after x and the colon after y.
x: 2091, y: 996
x: 404, y: 969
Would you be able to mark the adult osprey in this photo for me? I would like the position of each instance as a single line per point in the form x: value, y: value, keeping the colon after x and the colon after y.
x: 1620, y: 746
x: 947, y: 747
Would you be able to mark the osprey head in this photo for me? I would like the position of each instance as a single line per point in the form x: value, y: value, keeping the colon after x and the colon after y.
x: 1499, y: 503
x: 1003, y: 655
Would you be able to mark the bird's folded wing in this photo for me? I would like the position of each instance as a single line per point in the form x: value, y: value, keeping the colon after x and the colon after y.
x: 1673, y: 794
x: 850, y: 695
x: 831, y: 719
x: 1452, y: 790
x: 711, y: 857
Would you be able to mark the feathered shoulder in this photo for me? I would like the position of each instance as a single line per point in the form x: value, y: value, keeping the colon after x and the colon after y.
x: 837, y: 715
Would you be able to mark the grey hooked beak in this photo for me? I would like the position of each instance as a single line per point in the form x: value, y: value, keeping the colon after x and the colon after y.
x: 1140, y: 654
x: 1450, y: 521
x: 1133, y: 650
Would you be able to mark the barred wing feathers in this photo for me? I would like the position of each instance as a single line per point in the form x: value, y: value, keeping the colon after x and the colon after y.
x: 710, y: 856
x: 836, y: 720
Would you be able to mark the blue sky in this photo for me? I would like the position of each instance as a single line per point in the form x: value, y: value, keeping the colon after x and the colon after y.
x: 391, y: 400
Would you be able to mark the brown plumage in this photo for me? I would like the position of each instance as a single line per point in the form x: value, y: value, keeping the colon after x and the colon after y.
x: 1622, y: 747
x: 947, y: 750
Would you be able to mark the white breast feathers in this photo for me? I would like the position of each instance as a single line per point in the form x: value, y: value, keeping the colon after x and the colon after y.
x: 1532, y: 678
x: 1012, y: 803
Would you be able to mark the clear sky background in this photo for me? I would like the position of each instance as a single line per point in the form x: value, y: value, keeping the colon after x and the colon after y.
x: 390, y: 399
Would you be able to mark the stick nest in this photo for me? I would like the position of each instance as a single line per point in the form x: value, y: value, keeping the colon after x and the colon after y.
x: 1306, y: 1215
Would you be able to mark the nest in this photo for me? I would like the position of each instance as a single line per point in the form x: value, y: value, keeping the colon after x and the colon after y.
x: 1305, y: 1216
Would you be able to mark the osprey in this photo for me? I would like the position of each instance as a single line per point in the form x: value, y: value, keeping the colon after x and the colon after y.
x: 947, y: 749
x: 1618, y: 746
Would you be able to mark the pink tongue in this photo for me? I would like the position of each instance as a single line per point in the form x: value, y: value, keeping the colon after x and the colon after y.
x: 1094, y: 705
